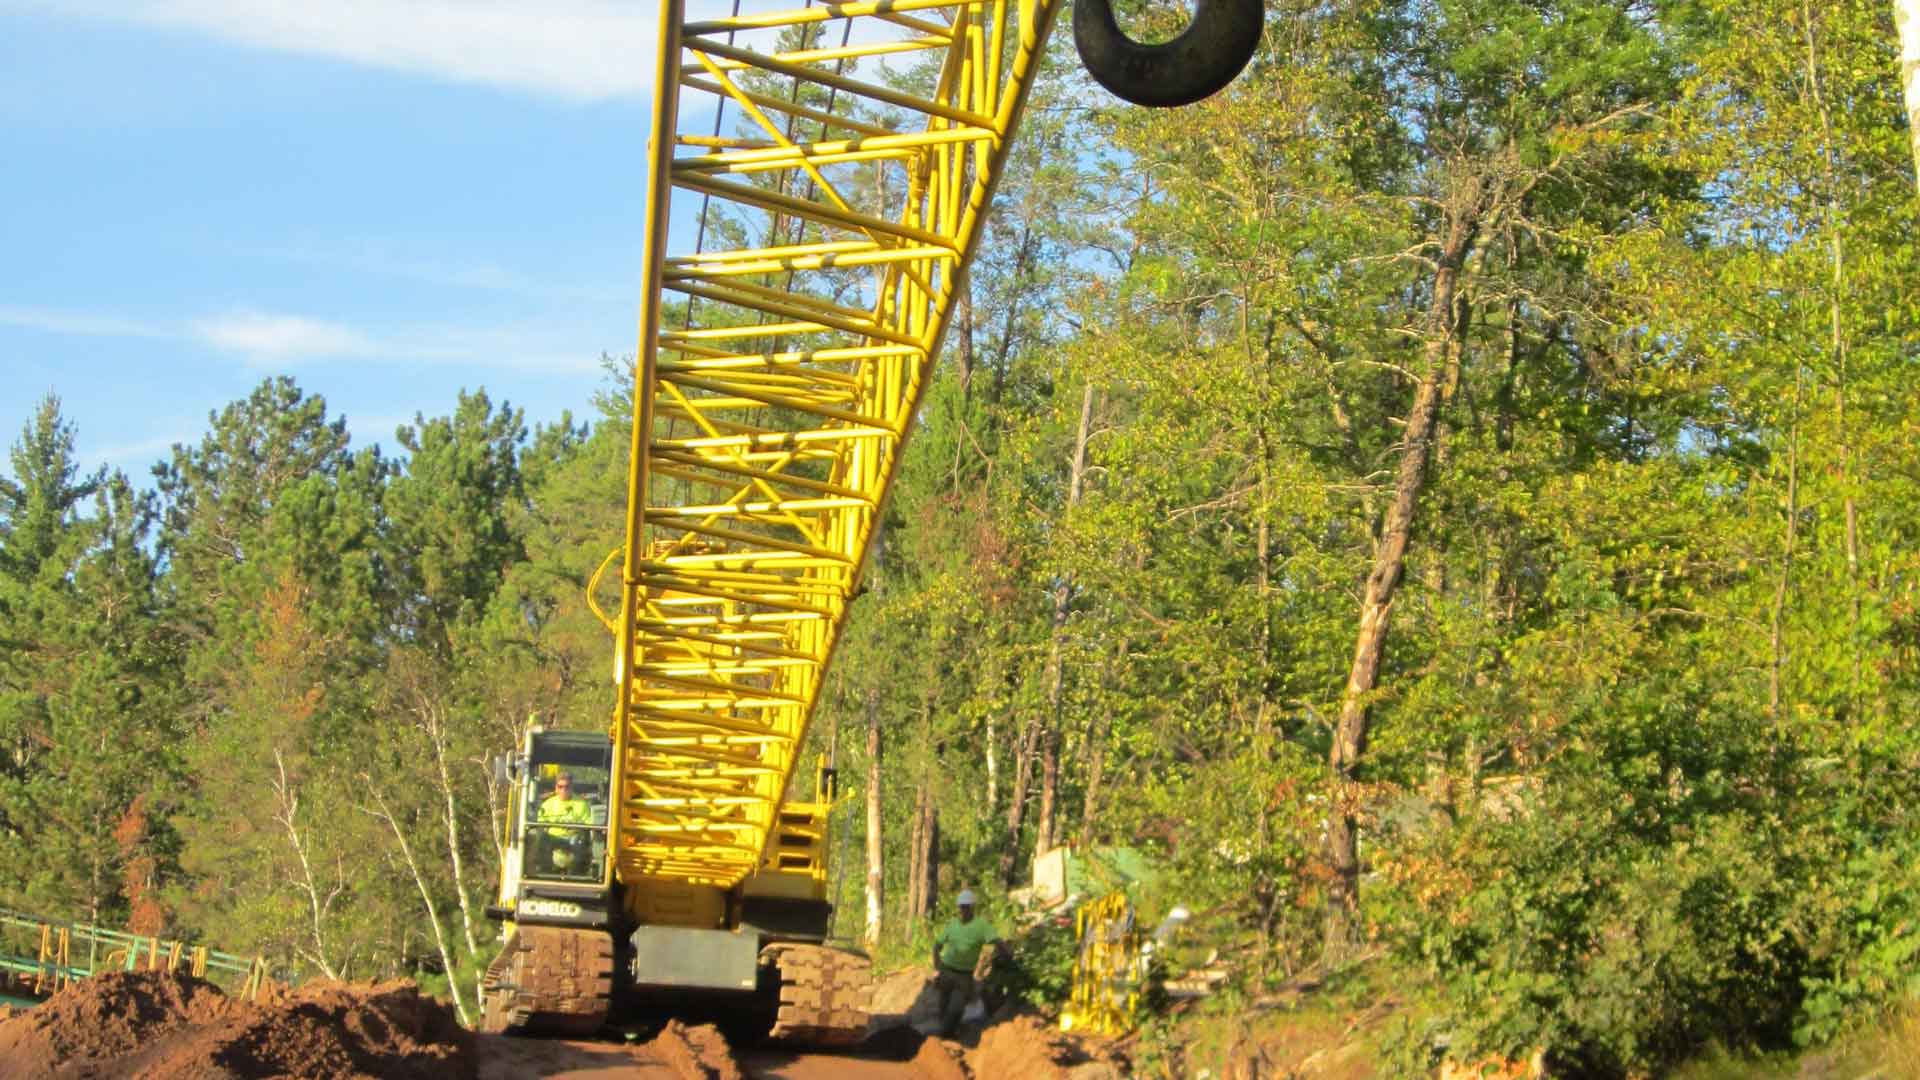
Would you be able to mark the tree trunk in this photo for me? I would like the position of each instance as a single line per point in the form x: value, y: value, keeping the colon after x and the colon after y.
x: 836, y: 851
x: 1906, y: 20
x: 924, y: 859
x: 1434, y: 575
x: 1783, y: 585
x: 1836, y: 248
x: 930, y: 861
x: 1045, y: 832
x: 993, y: 761
x: 287, y: 809
x: 426, y: 901
x: 996, y: 678
x: 1263, y: 580
x: 1017, y: 801
x: 450, y: 813
x: 1383, y: 580
x: 963, y: 314
x: 94, y: 879
x: 1003, y: 354
x: 1096, y: 772
x: 496, y: 811
x: 923, y: 872
x: 876, y: 864
x: 916, y: 850
x: 1263, y: 518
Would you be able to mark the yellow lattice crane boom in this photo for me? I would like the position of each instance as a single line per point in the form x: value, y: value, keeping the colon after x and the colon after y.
x: 773, y: 422
x: 801, y: 266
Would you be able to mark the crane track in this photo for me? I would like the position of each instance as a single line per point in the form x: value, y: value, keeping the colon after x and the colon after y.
x: 558, y: 981
x: 549, y: 980
x: 823, y: 995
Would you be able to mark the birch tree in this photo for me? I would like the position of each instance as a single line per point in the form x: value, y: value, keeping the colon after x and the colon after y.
x: 876, y: 838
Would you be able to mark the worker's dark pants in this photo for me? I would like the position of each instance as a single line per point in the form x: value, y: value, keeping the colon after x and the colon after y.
x: 545, y: 843
x: 956, y: 991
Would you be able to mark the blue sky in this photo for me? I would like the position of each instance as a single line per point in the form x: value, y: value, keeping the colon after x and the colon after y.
x: 387, y: 199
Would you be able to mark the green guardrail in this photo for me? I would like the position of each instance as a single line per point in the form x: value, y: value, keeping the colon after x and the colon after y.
x: 50, y: 953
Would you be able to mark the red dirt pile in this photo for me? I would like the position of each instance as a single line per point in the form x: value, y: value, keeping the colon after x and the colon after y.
x: 937, y: 1060
x: 1030, y: 1048
x: 161, y: 1026
x: 697, y: 1053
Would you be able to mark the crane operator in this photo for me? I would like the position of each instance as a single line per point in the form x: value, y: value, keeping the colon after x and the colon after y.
x: 563, y: 807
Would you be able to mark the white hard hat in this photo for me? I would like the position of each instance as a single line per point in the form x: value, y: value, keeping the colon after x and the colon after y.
x: 966, y: 898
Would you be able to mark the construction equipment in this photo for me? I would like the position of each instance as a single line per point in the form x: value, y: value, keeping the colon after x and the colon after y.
x: 783, y: 350
x: 1109, y: 969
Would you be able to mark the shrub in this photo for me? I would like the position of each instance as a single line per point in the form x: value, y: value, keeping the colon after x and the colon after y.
x: 1618, y: 947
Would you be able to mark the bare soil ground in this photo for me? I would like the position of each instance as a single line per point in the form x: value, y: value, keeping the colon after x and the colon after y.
x: 509, y: 1058
x: 159, y: 1026
x: 678, y: 1052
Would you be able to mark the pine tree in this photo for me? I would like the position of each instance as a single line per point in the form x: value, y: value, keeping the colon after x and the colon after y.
x: 86, y: 687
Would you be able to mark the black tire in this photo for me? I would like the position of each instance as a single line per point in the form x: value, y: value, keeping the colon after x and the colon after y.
x: 1208, y: 55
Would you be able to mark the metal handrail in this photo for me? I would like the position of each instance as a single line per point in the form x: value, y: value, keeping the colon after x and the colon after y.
x: 52, y: 962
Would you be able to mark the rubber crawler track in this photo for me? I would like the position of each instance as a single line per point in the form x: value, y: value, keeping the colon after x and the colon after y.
x: 550, y: 980
x: 823, y: 995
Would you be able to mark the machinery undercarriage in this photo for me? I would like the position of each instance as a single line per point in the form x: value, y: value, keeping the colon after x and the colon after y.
x: 559, y: 981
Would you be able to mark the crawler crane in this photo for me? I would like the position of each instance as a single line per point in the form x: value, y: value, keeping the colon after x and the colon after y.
x: 777, y: 378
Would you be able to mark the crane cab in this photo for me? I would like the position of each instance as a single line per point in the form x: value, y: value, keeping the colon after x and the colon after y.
x: 554, y: 861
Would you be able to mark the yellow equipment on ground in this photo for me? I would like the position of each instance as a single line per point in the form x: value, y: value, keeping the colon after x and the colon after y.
x: 1109, y: 968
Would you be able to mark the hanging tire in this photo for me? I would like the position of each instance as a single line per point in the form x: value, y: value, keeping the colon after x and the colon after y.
x: 1209, y: 54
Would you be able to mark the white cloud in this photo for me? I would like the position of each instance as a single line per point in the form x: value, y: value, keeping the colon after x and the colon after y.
x: 583, y: 50
x: 279, y: 339
x: 263, y: 336
x: 270, y: 339
x: 54, y: 321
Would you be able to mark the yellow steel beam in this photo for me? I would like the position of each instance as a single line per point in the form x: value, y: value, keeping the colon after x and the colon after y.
x: 821, y: 13
x: 852, y: 52
x: 770, y: 411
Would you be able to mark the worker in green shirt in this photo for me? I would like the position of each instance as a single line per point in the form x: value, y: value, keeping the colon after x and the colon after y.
x: 563, y: 807
x: 956, y: 956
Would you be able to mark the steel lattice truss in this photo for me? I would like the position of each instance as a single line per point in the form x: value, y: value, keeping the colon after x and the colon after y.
x: 781, y: 361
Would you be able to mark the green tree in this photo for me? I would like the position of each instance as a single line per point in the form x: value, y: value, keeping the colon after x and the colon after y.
x: 450, y: 508
x: 281, y: 583
x: 87, y: 687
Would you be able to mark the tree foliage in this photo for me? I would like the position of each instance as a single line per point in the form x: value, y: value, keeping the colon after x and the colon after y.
x: 1482, y: 437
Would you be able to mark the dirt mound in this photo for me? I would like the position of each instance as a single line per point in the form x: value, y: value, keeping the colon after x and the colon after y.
x: 162, y: 1026
x: 937, y: 1060
x: 1029, y: 1047
x: 105, y: 1018
x: 697, y: 1053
